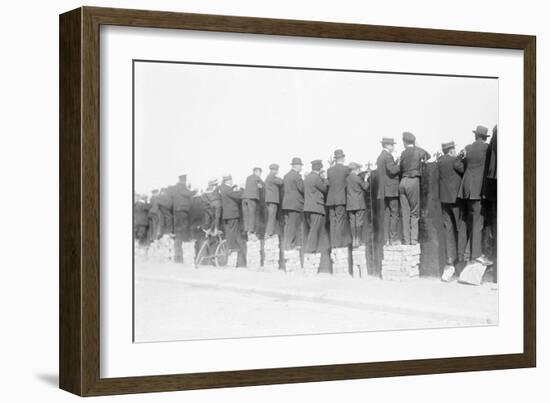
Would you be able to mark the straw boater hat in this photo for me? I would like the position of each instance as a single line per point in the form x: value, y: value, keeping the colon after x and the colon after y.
x: 387, y: 140
x: 481, y: 131
x: 446, y: 146
x: 296, y: 161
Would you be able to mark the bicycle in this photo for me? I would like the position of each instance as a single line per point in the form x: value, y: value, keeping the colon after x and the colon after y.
x: 212, y: 242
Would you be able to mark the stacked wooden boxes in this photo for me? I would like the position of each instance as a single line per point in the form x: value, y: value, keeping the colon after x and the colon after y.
x: 401, y: 262
x: 340, y: 261
x: 359, y: 259
x: 253, y: 253
x: 162, y: 250
x: 232, y: 260
x: 271, y: 253
x: 292, y: 260
x: 311, y: 263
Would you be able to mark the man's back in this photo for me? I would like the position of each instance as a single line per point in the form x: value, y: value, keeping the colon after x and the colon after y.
x: 472, y: 181
x: 450, y: 176
x: 252, y: 187
x: 411, y: 161
x: 293, y: 191
x: 314, y: 193
x: 336, y: 176
x: 272, y: 188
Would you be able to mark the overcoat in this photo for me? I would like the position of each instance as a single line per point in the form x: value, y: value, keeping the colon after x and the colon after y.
x: 336, y: 176
x: 293, y: 191
x: 355, y: 192
x: 231, y: 200
x: 252, y: 187
x: 315, y: 189
x: 388, y: 175
x: 182, y: 197
x: 450, y: 177
x: 474, y: 166
x: 272, y: 188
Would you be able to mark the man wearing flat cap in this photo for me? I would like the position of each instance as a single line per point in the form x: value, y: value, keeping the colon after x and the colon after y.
x: 388, y: 189
x: 273, y: 186
x: 251, y: 198
x: 231, y: 199
x: 451, y: 169
x: 356, y: 188
x: 470, y: 190
x: 410, y: 164
x: 293, y: 206
x: 315, y: 189
x: 182, y: 199
x: 336, y: 201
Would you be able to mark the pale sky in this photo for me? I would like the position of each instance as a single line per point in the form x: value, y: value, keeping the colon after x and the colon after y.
x: 206, y: 121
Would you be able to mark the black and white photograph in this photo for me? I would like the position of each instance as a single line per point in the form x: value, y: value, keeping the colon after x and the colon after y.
x: 276, y: 201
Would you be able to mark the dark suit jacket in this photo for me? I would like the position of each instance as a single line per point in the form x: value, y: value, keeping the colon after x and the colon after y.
x: 450, y: 178
x: 355, y: 192
x: 336, y: 176
x: 182, y: 197
x: 165, y: 199
x: 315, y: 189
x: 472, y: 181
x: 411, y: 161
x: 231, y: 200
x: 293, y: 191
x: 388, y: 175
x: 141, y: 211
x: 213, y: 198
x: 251, y: 187
x: 272, y: 188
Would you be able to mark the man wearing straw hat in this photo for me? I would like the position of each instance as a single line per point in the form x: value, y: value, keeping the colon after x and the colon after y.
x: 470, y: 190
x: 336, y: 201
x: 450, y: 169
x: 293, y: 206
x: 388, y: 189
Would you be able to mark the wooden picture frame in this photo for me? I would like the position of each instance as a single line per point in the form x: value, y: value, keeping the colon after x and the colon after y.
x: 79, y: 346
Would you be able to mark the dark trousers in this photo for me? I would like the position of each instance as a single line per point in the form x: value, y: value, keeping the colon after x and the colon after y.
x: 455, y: 230
x: 356, y: 221
x: 166, y: 221
x: 317, y: 234
x: 272, y: 222
x: 391, y: 209
x: 182, y: 234
x: 233, y: 235
x: 292, y: 234
x: 409, y: 196
x: 475, y: 227
x: 140, y: 234
x: 249, y: 214
x: 339, y: 227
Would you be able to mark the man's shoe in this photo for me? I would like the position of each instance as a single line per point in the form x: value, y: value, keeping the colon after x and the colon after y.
x: 484, y: 261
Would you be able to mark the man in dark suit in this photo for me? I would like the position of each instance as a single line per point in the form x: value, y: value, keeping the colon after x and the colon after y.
x: 251, y: 198
x: 293, y: 206
x: 165, y: 206
x: 273, y: 186
x: 213, y: 202
x: 336, y: 201
x: 231, y: 199
x: 315, y: 189
x: 470, y: 190
x: 141, y: 222
x: 154, y: 217
x: 181, y: 202
x: 388, y: 189
x: 410, y: 163
x: 450, y: 169
x: 356, y: 187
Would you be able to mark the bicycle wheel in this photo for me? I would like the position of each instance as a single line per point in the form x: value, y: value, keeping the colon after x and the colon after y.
x: 202, y: 254
x: 220, y: 257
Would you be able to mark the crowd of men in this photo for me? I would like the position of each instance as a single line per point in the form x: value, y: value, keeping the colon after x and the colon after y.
x: 327, y: 209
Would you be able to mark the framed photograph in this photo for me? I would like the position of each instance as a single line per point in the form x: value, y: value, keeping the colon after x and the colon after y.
x: 249, y: 201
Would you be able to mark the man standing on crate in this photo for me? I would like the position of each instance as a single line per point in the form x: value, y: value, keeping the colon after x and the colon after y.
x: 315, y: 189
x: 336, y: 201
x: 231, y: 199
x: 388, y: 189
x: 410, y: 163
x: 273, y: 186
x: 471, y: 190
x: 251, y: 198
x: 356, y: 187
x: 165, y: 205
x: 182, y: 201
x: 450, y: 169
x: 293, y: 206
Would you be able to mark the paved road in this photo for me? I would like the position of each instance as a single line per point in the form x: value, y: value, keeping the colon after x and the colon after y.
x: 166, y: 310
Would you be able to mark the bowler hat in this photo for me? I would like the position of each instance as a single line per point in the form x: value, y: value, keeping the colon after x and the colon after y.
x: 481, y: 131
x: 409, y: 137
x: 316, y: 164
x: 446, y: 146
x: 183, y: 177
x: 296, y: 161
x: 387, y: 140
x: 274, y: 166
x: 339, y: 154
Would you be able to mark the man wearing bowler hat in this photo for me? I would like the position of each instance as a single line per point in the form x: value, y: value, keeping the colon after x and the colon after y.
x: 336, y: 201
x: 451, y: 169
x: 293, y: 205
x: 470, y: 190
x: 273, y: 186
x: 356, y: 187
x: 388, y: 189
x: 410, y: 164
x: 251, y: 198
x: 315, y: 189
x: 181, y: 201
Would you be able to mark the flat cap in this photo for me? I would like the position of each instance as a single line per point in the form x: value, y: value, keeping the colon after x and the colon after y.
x: 296, y: 161
x: 409, y: 137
